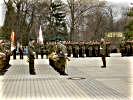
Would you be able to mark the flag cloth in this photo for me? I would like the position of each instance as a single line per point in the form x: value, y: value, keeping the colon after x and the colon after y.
x: 40, y: 37
x: 13, y: 41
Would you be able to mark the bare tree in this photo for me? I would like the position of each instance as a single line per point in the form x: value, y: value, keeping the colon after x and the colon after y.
x: 99, y: 20
x: 77, y: 10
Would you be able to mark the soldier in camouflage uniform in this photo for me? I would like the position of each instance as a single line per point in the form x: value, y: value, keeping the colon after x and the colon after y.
x: 36, y: 49
x: 103, y: 52
x: 97, y: 48
x: 122, y: 48
x: 14, y: 53
x: 69, y: 49
x: 90, y: 49
x: 31, y: 57
x: 42, y: 51
x: 76, y: 50
x: 47, y: 48
x: 57, y: 58
x: 87, y: 49
x: 107, y: 49
x: 93, y: 49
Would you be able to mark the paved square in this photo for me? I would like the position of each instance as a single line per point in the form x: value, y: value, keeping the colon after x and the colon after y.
x: 112, y: 83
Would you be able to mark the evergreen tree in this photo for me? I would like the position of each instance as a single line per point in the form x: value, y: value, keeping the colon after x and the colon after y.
x: 57, y: 23
x: 129, y: 26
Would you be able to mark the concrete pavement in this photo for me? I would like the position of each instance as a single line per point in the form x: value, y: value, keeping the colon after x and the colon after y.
x: 112, y: 83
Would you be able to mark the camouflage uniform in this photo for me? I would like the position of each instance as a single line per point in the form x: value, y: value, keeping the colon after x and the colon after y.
x: 37, y: 50
x: 69, y: 50
x: 58, y: 59
x: 87, y: 49
x: 42, y: 52
x: 122, y: 48
x: 81, y: 50
x: 14, y: 53
x: 90, y: 49
x: 76, y: 50
x: 103, y: 53
x: 31, y: 58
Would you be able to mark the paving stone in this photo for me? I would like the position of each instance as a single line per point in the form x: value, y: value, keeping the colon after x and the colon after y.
x: 47, y: 84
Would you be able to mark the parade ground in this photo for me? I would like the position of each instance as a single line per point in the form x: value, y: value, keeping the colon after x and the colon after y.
x: 86, y: 80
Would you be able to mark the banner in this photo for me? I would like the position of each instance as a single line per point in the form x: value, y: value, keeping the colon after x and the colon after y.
x: 13, y: 41
x: 40, y: 36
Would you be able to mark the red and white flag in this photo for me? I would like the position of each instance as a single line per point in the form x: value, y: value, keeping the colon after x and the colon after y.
x: 40, y: 36
x: 13, y: 41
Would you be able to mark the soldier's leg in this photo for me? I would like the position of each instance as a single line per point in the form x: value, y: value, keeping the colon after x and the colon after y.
x: 22, y: 56
x: 41, y: 56
x: 62, y: 66
x: 31, y: 68
x: 104, y: 61
x: 36, y: 55
x: 62, y: 71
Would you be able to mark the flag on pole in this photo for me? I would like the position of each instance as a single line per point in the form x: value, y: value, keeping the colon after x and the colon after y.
x: 13, y: 41
x: 40, y: 37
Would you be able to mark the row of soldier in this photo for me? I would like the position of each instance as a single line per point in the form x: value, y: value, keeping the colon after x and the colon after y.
x: 58, y: 52
x: 74, y: 49
x: 126, y: 48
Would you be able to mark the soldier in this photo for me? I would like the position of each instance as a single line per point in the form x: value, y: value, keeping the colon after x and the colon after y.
x: 76, y: 46
x: 98, y: 45
x: 21, y: 52
x: 81, y: 49
x: 80, y: 53
x: 46, y: 49
x: 86, y: 49
x: 61, y: 62
x: 42, y: 53
x: 69, y: 49
x: 90, y: 49
x: 122, y: 48
x: 93, y: 49
x: 31, y: 57
x: 73, y: 50
x: 103, y: 52
x: 36, y: 49
x: 14, y: 53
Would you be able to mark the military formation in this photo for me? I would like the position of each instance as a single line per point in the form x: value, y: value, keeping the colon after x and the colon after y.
x: 78, y: 49
x: 86, y: 49
x: 126, y: 48
x: 57, y: 52
x: 4, y: 56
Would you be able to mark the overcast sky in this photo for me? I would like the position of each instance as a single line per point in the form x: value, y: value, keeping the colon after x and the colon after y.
x: 121, y: 2
x: 118, y: 1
